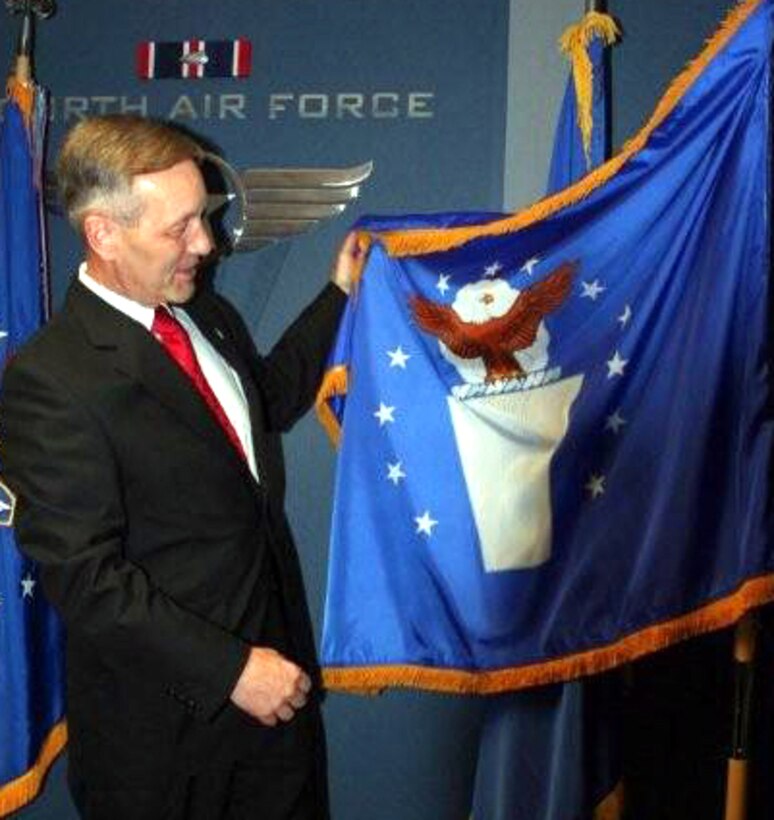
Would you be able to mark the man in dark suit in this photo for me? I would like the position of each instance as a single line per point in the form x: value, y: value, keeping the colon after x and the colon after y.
x: 150, y: 492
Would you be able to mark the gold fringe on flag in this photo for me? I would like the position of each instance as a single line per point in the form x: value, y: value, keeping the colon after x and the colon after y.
x: 334, y: 383
x: 24, y: 789
x: 709, y: 618
x: 574, y: 44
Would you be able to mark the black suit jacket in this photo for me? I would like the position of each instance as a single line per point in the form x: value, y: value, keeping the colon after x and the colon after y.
x: 165, y: 558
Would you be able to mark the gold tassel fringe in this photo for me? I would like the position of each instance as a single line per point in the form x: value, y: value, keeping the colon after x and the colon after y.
x: 334, y: 383
x: 574, y: 44
x: 714, y: 616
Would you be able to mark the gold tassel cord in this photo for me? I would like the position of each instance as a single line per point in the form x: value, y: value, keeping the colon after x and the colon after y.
x: 574, y: 43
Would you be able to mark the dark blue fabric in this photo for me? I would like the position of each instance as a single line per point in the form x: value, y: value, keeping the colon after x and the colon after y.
x: 31, y: 662
x: 549, y: 753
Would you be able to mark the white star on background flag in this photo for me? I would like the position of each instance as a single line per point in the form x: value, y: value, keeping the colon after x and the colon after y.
x: 529, y: 265
x: 591, y: 290
x: 616, y: 365
x: 28, y: 586
x: 493, y: 269
x: 425, y: 523
x: 596, y: 485
x: 443, y: 283
x: 385, y: 414
x: 625, y: 316
x: 615, y: 422
x: 395, y: 472
x: 398, y: 358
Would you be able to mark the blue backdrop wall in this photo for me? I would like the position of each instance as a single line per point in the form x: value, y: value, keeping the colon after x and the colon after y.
x: 430, y: 89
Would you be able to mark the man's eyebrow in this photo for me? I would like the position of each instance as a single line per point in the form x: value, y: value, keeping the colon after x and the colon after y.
x: 187, y: 216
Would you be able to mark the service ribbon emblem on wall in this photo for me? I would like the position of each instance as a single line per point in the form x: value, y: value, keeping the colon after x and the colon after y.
x: 194, y: 59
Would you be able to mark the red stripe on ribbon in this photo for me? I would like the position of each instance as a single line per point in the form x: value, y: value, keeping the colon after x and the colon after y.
x: 243, y: 53
x: 143, y: 62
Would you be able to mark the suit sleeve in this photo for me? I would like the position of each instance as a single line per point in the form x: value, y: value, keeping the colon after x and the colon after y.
x: 70, y: 519
x: 290, y: 375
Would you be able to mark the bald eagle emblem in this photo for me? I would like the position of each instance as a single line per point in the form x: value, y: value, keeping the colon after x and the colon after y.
x: 493, y: 322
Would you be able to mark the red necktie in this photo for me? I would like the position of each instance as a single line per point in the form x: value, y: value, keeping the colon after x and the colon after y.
x: 177, y: 343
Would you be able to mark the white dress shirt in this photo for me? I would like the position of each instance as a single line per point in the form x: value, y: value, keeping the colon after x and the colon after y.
x: 221, y: 377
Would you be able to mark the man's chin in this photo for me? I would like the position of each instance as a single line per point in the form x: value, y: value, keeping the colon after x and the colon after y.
x: 181, y: 295
x: 181, y: 289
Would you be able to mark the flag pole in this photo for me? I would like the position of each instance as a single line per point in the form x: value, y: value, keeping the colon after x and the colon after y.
x: 29, y: 9
x: 737, y: 772
x: 21, y: 86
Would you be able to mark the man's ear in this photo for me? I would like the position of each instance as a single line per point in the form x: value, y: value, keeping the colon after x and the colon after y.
x: 102, y: 235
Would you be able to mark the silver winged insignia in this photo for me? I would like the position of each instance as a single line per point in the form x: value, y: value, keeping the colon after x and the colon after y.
x: 273, y: 204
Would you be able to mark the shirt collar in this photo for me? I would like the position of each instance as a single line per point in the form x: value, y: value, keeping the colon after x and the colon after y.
x: 134, y: 310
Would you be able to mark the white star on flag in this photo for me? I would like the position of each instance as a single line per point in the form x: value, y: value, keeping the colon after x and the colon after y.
x: 591, y: 290
x: 395, y: 472
x: 529, y: 265
x: 493, y: 269
x: 596, y: 486
x: 384, y: 414
x: 3, y: 506
x: 625, y: 316
x: 425, y: 523
x: 443, y: 283
x: 3, y: 334
x: 615, y: 422
x: 398, y: 358
x: 616, y: 365
x: 28, y: 586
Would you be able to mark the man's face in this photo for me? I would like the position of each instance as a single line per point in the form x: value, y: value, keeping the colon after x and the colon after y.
x: 156, y: 259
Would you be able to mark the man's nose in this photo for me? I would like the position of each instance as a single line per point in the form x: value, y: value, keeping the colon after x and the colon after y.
x: 200, y: 242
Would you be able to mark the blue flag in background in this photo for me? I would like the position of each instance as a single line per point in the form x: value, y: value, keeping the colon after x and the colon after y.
x: 581, y: 141
x: 554, y: 752
x: 32, y: 730
x: 554, y: 443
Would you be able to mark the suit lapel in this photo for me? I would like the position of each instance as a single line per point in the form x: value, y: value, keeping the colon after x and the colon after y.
x: 217, y: 334
x: 136, y: 354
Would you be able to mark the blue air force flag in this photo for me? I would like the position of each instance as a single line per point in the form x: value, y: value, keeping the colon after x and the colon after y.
x: 553, y: 435
x: 32, y: 730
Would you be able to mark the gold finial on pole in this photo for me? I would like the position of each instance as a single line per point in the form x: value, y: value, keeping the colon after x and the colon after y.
x: 20, y: 82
